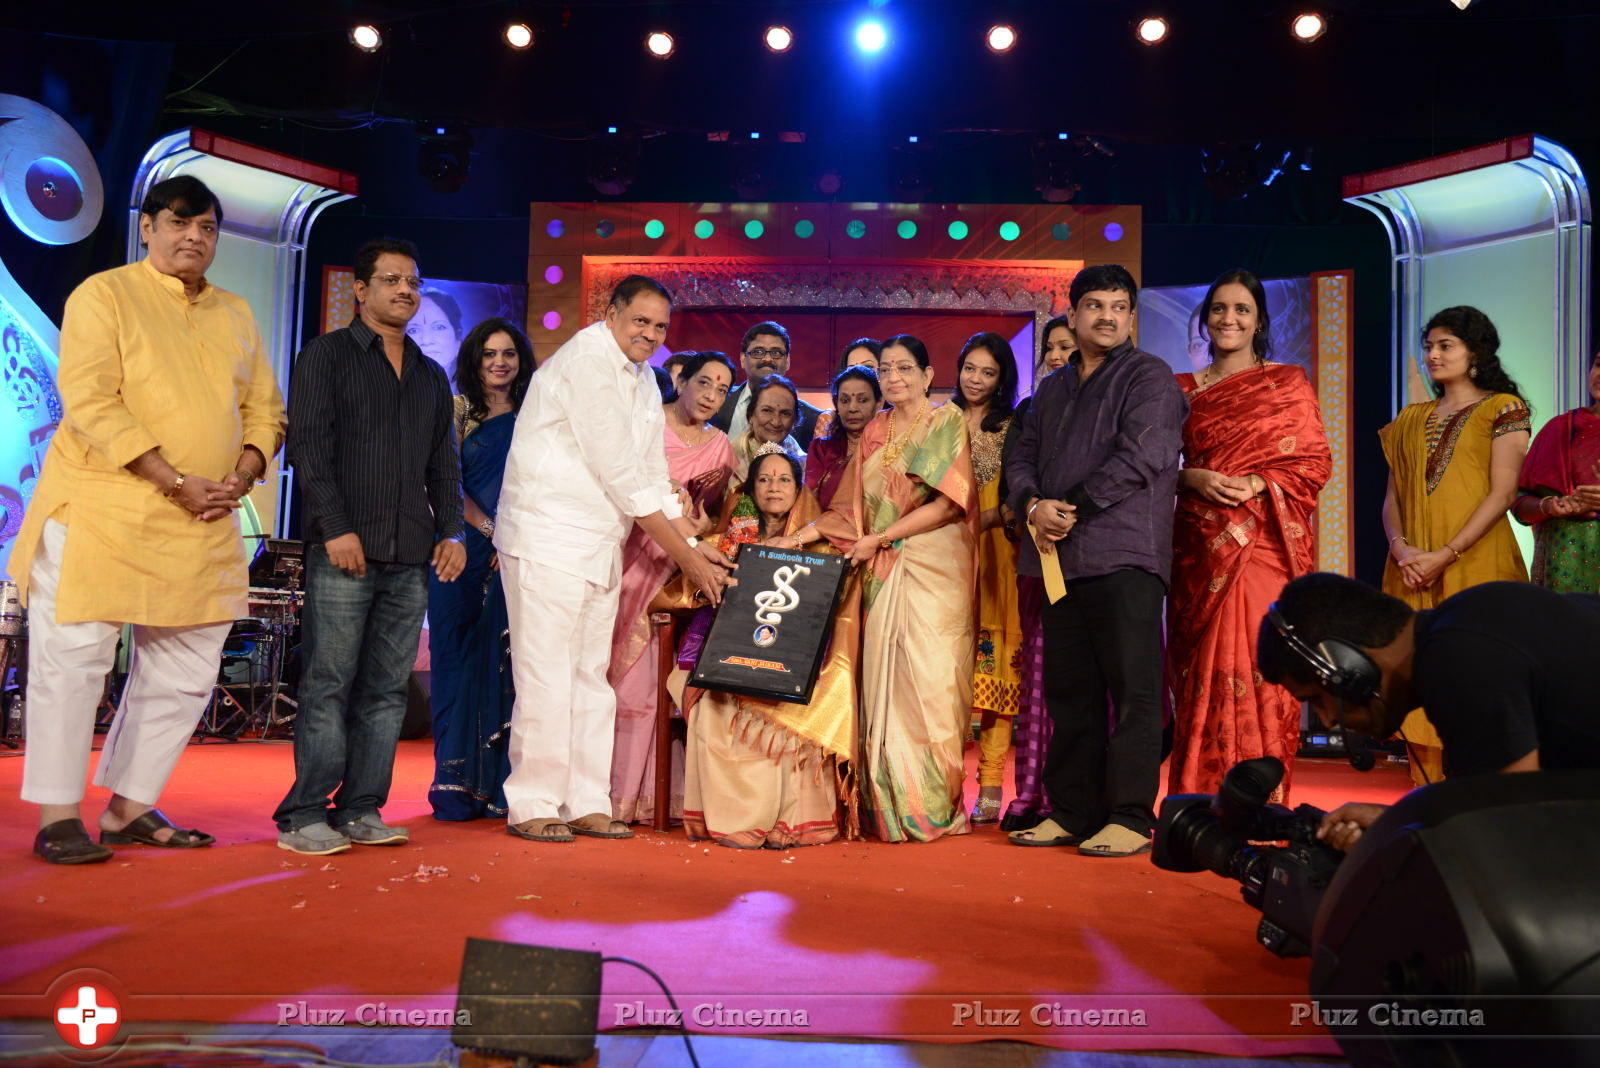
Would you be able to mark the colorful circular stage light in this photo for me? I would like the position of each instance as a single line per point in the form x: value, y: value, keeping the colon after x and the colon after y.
x: 1061, y: 231
x: 754, y: 229
x: 906, y: 229
x: 552, y: 320
x: 654, y: 229
x: 1010, y: 231
x: 958, y: 230
x: 605, y: 228
x: 704, y: 229
x: 804, y: 228
x: 555, y: 227
x: 855, y: 228
x: 1113, y: 231
x: 553, y: 274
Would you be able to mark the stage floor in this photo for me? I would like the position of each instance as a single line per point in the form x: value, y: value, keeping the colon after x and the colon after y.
x: 965, y: 939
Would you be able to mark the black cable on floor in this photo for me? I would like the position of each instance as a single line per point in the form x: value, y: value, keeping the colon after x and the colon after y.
x: 683, y: 1028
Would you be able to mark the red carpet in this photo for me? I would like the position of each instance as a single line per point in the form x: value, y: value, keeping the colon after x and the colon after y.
x: 941, y: 941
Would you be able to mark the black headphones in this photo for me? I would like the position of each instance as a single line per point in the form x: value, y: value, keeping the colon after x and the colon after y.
x: 1340, y: 667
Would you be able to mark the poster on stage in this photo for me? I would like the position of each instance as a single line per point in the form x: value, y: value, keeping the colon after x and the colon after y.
x: 772, y: 629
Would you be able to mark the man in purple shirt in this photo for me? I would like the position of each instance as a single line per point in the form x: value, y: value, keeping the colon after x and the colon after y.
x: 1095, y: 469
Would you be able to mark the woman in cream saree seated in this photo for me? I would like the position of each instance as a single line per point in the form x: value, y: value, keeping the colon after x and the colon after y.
x: 770, y: 773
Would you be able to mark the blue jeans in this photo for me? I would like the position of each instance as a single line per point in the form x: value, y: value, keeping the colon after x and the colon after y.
x: 359, y: 642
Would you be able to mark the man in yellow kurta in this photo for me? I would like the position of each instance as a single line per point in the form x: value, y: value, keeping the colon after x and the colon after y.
x: 171, y: 413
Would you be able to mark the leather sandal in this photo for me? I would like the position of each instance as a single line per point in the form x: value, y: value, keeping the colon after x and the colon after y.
x: 548, y: 830
x: 142, y: 831
x: 599, y: 825
x: 67, y: 842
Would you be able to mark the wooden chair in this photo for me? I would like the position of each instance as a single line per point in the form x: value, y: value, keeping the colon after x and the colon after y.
x: 666, y: 656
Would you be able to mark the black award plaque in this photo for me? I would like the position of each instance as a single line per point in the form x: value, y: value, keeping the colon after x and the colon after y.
x: 772, y: 629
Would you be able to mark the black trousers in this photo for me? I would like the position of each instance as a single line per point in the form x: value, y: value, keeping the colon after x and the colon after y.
x: 1103, y: 639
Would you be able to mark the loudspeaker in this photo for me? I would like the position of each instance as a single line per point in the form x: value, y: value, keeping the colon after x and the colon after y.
x: 1463, y: 927
x: 528, y: 1001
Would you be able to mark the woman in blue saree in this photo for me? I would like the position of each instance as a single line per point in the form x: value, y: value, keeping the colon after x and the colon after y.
x: 472, y: 694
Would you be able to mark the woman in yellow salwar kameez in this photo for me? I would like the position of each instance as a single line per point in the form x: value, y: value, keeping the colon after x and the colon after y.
x: 768, y: 773
x: 1453, y: 469
x: 906, y: 512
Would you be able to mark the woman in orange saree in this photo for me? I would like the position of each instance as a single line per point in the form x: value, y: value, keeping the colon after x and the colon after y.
x: 906, y: 513
x: 1255, y: 458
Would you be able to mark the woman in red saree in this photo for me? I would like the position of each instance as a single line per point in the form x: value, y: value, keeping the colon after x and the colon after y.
x: 1255, y: 458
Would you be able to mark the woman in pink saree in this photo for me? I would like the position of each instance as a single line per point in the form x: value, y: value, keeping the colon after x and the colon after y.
x: 700, y: 460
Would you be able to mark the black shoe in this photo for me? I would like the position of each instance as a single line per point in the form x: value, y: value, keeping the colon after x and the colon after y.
x: 66, y: 842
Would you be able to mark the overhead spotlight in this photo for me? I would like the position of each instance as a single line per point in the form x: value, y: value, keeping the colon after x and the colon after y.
x: 779, y: 39
x: 660, y: 44
x: 871, y: 36
x: 519, y: 35
x: 444, y: 155
x: 909, y: 172
x: 366, y: 37
x: 1462, y: 5
x: 613, y: 161
x: 1001, y: 39
x: 1153, y: 31
x: 1309, y: 26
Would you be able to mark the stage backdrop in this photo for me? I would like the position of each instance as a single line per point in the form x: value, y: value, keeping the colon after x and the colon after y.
x: 449, y: 311
x: 1311, y: 328
x: 885, y: 268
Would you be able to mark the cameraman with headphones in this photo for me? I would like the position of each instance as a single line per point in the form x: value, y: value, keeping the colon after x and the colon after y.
x: 1508, y: 673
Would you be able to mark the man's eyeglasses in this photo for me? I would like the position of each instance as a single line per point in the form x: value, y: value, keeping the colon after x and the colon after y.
x: 392, y: 280
x: 766, y: 354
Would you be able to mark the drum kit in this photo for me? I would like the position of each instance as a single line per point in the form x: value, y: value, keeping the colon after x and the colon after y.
x: 254, y: 695
x: 261, y: 704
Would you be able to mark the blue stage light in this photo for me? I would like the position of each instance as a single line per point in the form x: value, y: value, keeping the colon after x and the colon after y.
x: 871, y: 36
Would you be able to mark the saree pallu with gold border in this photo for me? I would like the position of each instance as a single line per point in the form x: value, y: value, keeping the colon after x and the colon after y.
x: 772, y: 773
x: 1229, y: 564
x: 917, y: 606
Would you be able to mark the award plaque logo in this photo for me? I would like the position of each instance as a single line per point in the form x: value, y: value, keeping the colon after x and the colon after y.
x: 772, y: 604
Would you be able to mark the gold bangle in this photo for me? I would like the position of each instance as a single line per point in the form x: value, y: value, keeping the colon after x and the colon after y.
x: 884, y: 541
x: 1397, y: 537
x: 177, y: 485
x: 1453, y: 549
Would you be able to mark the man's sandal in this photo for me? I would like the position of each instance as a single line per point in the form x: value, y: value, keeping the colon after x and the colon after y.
x: 551, y: 830
x: 142, y: 831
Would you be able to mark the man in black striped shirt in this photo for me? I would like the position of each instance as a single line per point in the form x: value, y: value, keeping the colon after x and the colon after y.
x: 373, y: 448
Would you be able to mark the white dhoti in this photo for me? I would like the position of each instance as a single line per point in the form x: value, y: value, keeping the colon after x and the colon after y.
x: 171, y: 673
x: 564, y: 720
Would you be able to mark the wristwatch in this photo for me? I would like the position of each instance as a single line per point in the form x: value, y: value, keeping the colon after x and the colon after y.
x: 693, y: 540
x: 176, y: 486
x: 486, y: 528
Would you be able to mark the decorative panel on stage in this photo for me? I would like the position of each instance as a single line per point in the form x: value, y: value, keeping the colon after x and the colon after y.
x: 768, y: 259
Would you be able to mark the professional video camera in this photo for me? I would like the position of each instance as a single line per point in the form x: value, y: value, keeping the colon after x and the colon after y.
x: 1229, y: 834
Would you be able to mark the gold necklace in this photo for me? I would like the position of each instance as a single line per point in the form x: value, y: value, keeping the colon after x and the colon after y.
x: 892, y: 451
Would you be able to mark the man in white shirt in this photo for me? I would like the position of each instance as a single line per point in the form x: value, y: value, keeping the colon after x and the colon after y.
x: 586, y: 463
